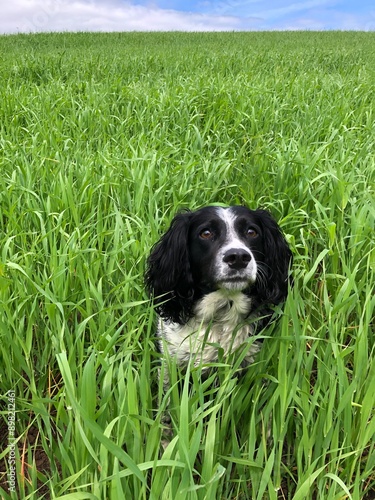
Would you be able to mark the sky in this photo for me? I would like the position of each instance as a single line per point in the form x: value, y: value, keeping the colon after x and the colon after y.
x: 24, y: 16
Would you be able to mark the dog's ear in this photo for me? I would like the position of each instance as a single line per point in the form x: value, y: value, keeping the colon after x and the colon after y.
x: 168, y: 275
x: 272, y: 286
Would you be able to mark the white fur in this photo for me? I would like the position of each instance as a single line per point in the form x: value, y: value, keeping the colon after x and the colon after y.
x: 223, y: 272
x: 216, y: 324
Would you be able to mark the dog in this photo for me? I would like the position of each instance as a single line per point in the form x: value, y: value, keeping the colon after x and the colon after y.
x: 214, y: 277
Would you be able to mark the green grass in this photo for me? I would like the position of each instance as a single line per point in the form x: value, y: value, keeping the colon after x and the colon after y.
x: 103, y: 137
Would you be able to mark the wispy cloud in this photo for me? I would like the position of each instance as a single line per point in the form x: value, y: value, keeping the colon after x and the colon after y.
x: 291, y: 8
x: 291, y: 14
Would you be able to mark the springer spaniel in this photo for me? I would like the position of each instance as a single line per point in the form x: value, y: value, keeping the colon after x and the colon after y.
x: 211, y: 274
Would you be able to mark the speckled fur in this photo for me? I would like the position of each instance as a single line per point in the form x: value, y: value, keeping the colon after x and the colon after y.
x: 218, y: 322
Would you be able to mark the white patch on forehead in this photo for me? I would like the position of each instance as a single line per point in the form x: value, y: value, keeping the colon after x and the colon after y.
x: 232, y: 239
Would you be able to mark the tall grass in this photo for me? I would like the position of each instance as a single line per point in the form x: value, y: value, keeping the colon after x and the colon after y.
x: 103, y: 137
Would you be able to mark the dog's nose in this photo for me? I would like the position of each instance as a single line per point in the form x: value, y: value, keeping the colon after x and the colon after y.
x: 237, y: 258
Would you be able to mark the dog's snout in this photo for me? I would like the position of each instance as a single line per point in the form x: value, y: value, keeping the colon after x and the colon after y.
x: 237, y: 258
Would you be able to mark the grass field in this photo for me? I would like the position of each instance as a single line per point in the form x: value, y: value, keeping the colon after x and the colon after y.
x: 103, y: 138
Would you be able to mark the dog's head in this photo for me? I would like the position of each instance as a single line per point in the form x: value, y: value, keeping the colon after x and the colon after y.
x: 233, y: 248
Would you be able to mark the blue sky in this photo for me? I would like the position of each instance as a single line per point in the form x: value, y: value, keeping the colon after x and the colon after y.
x: 194, y: 15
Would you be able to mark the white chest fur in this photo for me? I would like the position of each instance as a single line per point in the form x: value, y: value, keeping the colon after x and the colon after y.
x: 216, y: 324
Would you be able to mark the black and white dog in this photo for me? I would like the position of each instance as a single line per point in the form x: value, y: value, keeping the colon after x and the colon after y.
x: 211, y: 274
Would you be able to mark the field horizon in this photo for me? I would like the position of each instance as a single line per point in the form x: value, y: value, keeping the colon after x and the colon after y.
x: 104, y: 137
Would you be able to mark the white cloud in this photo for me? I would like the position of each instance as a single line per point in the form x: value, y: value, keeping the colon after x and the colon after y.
x: 115, y: 15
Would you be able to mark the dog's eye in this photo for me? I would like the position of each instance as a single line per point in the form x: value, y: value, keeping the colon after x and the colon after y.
x: 251, y: 233
x: 206, y: 234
